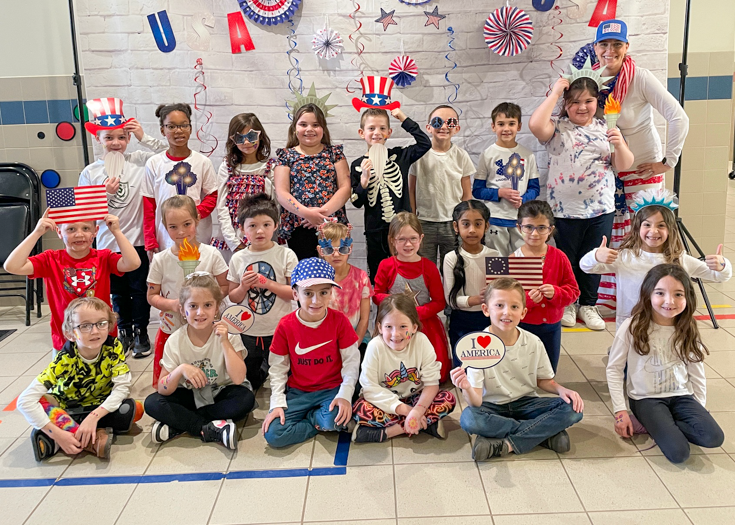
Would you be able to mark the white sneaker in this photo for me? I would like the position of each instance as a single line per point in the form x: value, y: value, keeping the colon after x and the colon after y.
x: 570, y: 315
x: 591, y: 317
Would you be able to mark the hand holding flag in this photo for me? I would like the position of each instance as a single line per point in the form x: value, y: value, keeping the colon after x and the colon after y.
x: 83, y: 203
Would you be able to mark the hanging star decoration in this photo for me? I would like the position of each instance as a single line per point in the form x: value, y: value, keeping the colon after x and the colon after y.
x: 409, y: 292
x: 312, y: 98
x: 386, y: 19
x: 327, y: 43
x: 433, y: 17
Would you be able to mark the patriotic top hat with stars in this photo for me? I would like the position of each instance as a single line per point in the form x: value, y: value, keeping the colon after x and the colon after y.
x: 375, y: 94
x: 105, y: 114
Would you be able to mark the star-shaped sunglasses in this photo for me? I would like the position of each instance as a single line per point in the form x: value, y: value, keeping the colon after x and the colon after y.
x: 438, y: 122
x: 251, y: 136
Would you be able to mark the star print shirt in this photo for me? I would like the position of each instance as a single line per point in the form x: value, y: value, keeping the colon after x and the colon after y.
x: 67, y: 278
x: 388, y: 376
x: 319, y: 356
x: 581, y: 182
x: 276, y: 264
x: 379, y: 214
x: 515, y: 376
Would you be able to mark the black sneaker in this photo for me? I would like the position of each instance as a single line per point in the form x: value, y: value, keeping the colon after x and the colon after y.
x: 436, y: 429
x: 485, y: 448
x: 160, y: 432
x: 126, y: 340
x: 366, y: 434
x: 43, y: 446
x: 558, y: 442
x: 221, y: 431
x: 142, y: 346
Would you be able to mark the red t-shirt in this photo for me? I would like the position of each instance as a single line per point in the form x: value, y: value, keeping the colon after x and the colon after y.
x: 316, y: 363
x: 67, y: 278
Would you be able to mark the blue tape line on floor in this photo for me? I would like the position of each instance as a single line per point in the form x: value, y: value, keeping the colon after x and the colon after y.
x: 343, y: 449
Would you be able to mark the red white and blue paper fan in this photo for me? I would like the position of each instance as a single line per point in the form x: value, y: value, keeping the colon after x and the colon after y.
x: 269, y: 12
x: 508, y: 31
x: 415, y: 2
x: 327, y: 43
x: 403, y: 71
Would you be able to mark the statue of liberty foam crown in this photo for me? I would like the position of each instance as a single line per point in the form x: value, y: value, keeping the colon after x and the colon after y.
x: 654, y: 197
x: 587, y: 71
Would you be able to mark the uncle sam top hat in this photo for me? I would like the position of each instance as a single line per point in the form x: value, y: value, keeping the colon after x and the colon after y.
x: 375, y: 94
x: 105, y: 114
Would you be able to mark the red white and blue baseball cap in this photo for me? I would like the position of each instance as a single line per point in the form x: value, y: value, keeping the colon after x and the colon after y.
x: 313, y: 271
x: 612, y: 30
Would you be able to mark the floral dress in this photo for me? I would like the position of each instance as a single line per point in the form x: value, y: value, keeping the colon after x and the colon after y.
x: 313, y: 182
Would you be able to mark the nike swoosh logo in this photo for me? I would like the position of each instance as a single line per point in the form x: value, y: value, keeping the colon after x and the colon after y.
x: 302, y: 351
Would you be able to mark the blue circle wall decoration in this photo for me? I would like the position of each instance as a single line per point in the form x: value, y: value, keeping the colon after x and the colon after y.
x: 50, y: 178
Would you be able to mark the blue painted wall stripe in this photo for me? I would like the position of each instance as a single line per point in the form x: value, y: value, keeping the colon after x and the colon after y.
x: 703, y: 88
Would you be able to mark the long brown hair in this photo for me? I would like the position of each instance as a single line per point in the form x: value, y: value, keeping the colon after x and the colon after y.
x: 687, y: 342
x: 576, y: 89
x: 673, y: 247
x: 239, y: 122
x: 399, y: 220
x: 293, y: 140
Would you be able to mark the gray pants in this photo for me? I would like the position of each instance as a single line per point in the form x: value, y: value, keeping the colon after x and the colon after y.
x: 437, y: 235
x: 503, y: 239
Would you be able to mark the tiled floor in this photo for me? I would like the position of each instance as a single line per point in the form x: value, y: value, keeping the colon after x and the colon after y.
x: 602, y: 480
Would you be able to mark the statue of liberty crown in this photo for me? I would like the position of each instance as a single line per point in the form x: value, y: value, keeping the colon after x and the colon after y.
x: 587, y: 71
x: 657, y: 197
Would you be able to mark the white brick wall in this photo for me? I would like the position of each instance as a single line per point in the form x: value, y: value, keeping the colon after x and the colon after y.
x: 117, y: 32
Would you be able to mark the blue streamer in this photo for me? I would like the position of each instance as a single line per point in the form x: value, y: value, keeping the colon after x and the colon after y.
x: 452, y: 96
x: 294, y: 72
x: 163, y: 33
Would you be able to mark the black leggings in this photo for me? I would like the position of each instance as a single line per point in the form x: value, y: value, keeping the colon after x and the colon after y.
x: 120, y: 421
x: 303, y: 242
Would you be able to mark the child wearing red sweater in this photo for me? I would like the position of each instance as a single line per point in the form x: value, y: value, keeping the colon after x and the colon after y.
x: 546, y: 303
x: 408, y: 272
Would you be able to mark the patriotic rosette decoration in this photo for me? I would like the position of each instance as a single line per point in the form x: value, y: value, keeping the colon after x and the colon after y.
x: 508, y: 31
x: 269, y: 12
x: 327, y: 43
x: 403, y: 70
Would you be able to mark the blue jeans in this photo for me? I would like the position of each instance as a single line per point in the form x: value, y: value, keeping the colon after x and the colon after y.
x: 307, y: 414
x: 674, y: 422
x: 525, y: 422
x: 550, y: 335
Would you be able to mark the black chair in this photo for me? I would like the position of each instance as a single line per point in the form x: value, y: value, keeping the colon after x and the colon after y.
x: 20, y: 209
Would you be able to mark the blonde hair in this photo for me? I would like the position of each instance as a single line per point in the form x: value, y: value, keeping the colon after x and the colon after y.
x: 200, y: 280
x: 673, y: 248
x: 504, y: 283
x: 398, y: 222
x: 335, y: 231
x: 178, y: 202
x: 88, y: 302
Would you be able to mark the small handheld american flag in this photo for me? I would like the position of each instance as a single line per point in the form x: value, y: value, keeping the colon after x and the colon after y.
x: 84, y: 203
x: 526, y: 270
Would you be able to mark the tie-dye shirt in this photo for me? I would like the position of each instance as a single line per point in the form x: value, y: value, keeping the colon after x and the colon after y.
x: 581, y: 182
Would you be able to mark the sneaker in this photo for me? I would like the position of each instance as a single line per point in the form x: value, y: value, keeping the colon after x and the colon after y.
x: 558, y: 442
x: 43, y: 446
x: 570, y: 315
x: 126, y: 340
x: 366, y: 434
x: 436, y: 429
x: 484, y: 448
x: 160, y: 432
x: 221, y: 431
x: 591, y: 317
x: 142, y: 345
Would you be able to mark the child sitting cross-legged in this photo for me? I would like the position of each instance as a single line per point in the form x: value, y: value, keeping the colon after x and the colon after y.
x: 504, y: 411
x: 81, y: 397
x: 400, y: 378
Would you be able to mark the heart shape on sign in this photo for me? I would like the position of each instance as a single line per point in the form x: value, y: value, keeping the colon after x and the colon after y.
x: 245, y: 316
x: 484, y: 340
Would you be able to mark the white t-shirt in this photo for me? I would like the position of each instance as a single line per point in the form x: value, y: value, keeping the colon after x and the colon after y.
x: 210, y: 358
x: 490, y: 169
x: 159, y: 168
x: 515, y: 376
x: 276, y: 264
x: 388, y: 376
x: 439, y: 182
x: 166, y: 271
x: 127, y: 203
x: 474, y: 275
x: 659, y: 374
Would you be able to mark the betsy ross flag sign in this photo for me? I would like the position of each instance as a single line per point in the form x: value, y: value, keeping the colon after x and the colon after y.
x: 85, y: 203
x: 526, y: 270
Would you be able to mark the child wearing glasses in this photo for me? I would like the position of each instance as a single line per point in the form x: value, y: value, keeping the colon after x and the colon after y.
x: 82, y: 397
x: 546, y: 303
x: 176, y: 171
x: 507, y: 176
x: 246, y: 170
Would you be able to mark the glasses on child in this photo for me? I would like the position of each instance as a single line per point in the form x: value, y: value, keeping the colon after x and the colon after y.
x: 86, y: 328
x: 251, y: 136
x: 174, y: 127
x: 329, y: 249
x: 617, y: 46
x: 412, y: 240
x: 529, y: 229
x: 438, y: 122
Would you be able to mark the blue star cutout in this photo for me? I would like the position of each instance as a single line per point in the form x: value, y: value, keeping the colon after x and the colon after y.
x: 387, y: 19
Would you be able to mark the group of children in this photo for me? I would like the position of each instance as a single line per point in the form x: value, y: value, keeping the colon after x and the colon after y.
x: 428, y: 231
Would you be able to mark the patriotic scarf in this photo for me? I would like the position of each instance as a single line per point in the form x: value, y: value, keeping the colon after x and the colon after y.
x: 619, y: 84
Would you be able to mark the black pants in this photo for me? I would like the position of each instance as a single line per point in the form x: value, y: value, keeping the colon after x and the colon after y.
x: 576, y: 237
x: 179, y: 410
x: 378, y: 249
x: 121, y: 420
x: 257, y: 359
x: 550, y: 335
x: 129, y: 295
x: 303, y: 242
